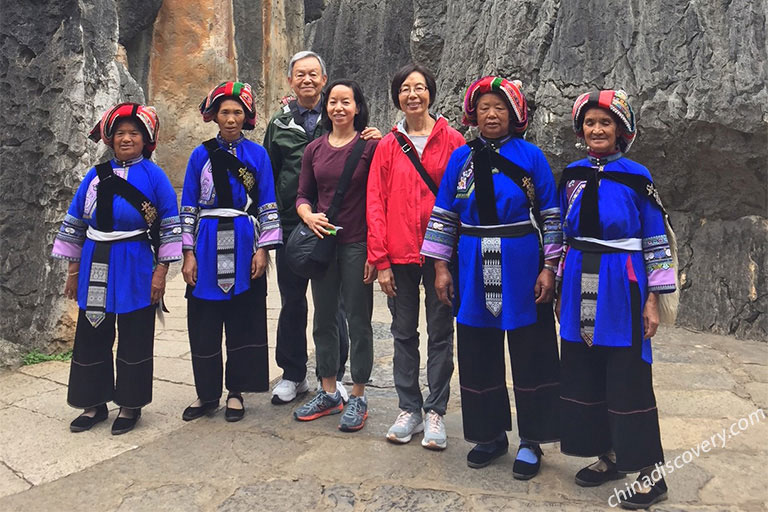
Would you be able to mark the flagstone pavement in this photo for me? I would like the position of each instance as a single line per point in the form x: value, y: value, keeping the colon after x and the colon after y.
x: 705, y: 385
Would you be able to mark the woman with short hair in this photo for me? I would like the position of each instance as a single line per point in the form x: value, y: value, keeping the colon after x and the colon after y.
x: 406, y: 168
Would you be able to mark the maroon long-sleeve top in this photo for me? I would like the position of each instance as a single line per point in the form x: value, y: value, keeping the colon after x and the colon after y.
x: 321, y: 169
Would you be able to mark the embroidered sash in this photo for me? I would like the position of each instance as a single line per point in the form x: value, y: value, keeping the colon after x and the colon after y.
x: 224, y: 163
x: 485, y: 159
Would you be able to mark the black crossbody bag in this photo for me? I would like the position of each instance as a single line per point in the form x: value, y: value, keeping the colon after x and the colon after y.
x: 308, y: 255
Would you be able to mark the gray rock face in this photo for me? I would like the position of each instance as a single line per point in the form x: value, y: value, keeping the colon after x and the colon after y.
x: 135, y: 22
x: 57, y: 75
x: 366, y: 41
x: 134, y: 16
x: 696, y: 76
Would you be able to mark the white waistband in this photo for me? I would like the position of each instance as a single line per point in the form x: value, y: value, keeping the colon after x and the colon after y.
x: 497, y: 226
x: 112, y: 236
x: 221, y: 212
x: 625, y: 244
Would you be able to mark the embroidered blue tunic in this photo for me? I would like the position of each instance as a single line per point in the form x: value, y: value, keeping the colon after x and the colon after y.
x: 199, y: 233
x: 129, y: 279
x: 623, y: 215
x: 455, y: 204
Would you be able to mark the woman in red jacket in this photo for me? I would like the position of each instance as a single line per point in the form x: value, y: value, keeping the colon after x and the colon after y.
x: 405, y: 173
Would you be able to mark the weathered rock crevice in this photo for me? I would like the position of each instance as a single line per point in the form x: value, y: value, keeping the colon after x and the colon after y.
x: 696, y: 78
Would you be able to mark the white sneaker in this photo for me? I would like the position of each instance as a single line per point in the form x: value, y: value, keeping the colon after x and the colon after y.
x: 434, y: 432
x: 286, y: 391
x: 406, y: 424
x: 342, y: 390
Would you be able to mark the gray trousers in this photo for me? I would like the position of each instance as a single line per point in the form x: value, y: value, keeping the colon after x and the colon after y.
x: 344, y: 276
x: 405, y: 324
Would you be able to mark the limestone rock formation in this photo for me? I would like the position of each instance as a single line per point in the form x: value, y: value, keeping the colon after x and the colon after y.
x: 61, y: 65
x: 57, y: 74
x: 198, y: 44
x: 696, y: 76
x: 367, y: 41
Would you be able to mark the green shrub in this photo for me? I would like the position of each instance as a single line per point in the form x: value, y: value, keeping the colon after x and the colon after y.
x: 36, y: 357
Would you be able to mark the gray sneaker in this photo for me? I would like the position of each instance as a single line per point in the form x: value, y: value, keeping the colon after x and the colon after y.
x: 354, y: 415
x: 406, y: 424
x: 321, y: 405
x: 434, y: 432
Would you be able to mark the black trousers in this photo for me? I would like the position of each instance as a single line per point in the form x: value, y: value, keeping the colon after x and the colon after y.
x: 244, y: 319
x: 485, y: 408
x: 291, y: 349
x: 607, y: 401
x: 91, y: 374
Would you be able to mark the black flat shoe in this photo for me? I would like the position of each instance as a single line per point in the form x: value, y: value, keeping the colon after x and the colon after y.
x: 206, y: 409
x: 83, y: 423
x: 234, y: 414
x: 522, y: 470
x: 587, y: 477
x: 637, y: 500
x: 123, y: 425
x: 481, y: 458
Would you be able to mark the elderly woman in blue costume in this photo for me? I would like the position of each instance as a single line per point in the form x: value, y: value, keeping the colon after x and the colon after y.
x: 230, y: 220
x: 497, y: 207
x: 617, y: 262
x: 123, y: 209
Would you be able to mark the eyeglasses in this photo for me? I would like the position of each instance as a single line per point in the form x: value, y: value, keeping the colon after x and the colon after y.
x: 418, y: 89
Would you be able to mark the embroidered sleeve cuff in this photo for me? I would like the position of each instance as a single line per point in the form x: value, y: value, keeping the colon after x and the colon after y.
x: 188, y: 218
x: 552, y: 233
x: 66, y: 250
x: 442, y: 234
x: 170, y: 239
x: 561, y: 264
x: 268, y: 230
x: 662, y: 281
x: 169, y: 251
x: 657, y: 256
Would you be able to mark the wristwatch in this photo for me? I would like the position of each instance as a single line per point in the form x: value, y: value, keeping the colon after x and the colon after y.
x: 551, y: 268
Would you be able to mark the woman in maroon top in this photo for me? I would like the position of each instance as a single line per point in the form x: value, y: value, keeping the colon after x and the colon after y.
x: 345, y: 115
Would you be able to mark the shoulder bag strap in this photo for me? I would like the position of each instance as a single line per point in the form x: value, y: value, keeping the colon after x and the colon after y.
x: 346, y: 178
x: 411, y: 154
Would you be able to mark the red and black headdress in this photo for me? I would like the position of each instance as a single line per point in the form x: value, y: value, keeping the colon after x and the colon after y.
x: 617, y: 103
x: 509, y: 90
x: 145, y: 116
x: 239, y: 91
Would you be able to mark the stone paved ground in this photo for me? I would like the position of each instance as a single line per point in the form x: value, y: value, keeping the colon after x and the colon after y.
x: 268, y: 461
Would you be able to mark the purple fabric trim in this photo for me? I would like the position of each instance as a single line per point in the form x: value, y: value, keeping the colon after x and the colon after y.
x: 662, y: 280
x: 170, y: 251
x: 187, y: 241
x: 436, y: 250
x: 66, y: 250
x: 552, y: 251
x: 271, y: 237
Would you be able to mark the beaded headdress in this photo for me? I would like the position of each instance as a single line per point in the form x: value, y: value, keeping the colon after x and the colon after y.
x: 240, y: 91
x: 509, y: 90
x: 146, y: 116
x: 615, y: 102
